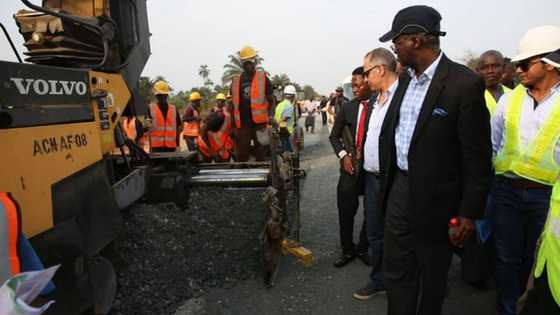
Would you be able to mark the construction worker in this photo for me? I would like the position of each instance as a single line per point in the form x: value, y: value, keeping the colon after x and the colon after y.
x: 10, y: 263
x: 284, y: 117
x: 508, y: 78
x: 252, y: 102
x: 133, y: 129
x: 220, y: 103
x: 526, y: 153
x: 491, y: 68
x: 165, y: 121
x: 215, y: 142
x: 191, y: 121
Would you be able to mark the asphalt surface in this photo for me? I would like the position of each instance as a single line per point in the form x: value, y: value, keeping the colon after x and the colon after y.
x: 321, y: 288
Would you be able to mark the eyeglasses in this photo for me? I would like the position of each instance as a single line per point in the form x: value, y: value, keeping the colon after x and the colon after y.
x: 526, y: 64
x: 366, y: 73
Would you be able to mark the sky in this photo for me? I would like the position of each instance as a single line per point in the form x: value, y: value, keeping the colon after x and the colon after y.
x: 313, y: 42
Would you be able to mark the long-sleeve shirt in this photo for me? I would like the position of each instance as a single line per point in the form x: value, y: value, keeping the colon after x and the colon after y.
x: 378, y: 112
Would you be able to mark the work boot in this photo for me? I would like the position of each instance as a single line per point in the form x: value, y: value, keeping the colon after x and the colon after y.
x: 344, y: 259
x: 368, y: 292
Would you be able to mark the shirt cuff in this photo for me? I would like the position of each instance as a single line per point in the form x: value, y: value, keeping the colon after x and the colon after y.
x: 342, y: 154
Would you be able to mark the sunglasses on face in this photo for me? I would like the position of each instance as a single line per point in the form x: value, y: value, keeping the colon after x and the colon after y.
x: 526, y: 64
x: 366, y: 73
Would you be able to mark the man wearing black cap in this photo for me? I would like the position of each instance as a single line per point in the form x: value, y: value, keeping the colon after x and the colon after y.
x: 347, y: 139
x: 435, y: 157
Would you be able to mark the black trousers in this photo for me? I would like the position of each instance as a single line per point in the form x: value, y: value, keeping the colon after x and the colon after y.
x: 324, y: 118
x: 415, y: 269
x: 540, y: 300
x: 348, y: 200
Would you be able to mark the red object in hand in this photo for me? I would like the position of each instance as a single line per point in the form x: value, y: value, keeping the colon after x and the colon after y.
x: 453, y: 226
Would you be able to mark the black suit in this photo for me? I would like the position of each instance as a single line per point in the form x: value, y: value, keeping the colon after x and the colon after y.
x: 349, y: 187
x: 449, y: 171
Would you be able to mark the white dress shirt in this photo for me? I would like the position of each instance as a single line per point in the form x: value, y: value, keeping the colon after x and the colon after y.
x: 531, y: 121
x: 371, y: 148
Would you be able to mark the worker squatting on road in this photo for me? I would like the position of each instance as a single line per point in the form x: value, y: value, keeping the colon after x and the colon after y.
x: 446, y: 126
x: 164, y: 121
x: 253, y: 102
x: 215, y: 142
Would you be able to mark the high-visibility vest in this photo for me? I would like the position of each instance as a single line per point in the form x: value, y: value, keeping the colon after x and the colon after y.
x: 491, y: 103
x: 10, y: 229
x: 259, y: 103
x: 129, y: 126
x: 164, y: 130
x: 278, y: 114
x: 220, y: 141
x: 549, y: 251
x: 191, y: 129
x: 536, y: 161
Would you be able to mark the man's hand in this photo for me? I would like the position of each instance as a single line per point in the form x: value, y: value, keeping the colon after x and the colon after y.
x: 347, y: 164
x: 463, y: 232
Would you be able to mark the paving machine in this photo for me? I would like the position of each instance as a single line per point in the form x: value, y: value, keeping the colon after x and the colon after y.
x: 65, y: 159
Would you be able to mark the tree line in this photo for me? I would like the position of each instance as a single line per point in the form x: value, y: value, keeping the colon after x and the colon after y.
x: 209, y: 89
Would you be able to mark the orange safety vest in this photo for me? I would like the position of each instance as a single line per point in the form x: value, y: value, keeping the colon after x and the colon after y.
x: 259, y: 103
x: 192, y: 129
x: 220, y: 141
x: 164, y: 130
x: 10, y: 229
x: 129, y: 126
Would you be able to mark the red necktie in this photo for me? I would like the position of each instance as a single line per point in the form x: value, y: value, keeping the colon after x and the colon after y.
x: 360, y: 136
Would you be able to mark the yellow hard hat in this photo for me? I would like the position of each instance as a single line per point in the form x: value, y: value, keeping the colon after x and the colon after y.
x: 195, y: 96
x: 247, y: 52
x: 220, y: 96
x: 161, y: 87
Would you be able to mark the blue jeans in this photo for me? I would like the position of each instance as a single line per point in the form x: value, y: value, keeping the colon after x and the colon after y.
x: 374, y: 226
x: 286, y: 142
x: 518, y: 217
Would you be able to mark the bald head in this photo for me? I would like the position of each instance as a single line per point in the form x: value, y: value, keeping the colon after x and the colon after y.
x: 491, y: 68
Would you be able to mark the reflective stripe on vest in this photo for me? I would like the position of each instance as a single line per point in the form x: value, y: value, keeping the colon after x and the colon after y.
x: 191, y: 129
x: 129, y: 126
x: 220, y: 141
x: 259, y: 103
x: 164, y: 130
x: 10, y: 229
x: 491, y: 103
x: 536, y: 161
x: 549, y: 251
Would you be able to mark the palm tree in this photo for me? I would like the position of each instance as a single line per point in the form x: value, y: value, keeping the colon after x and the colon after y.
x: 235, y: 67
x: 204, y: 72
x: 280, y: 81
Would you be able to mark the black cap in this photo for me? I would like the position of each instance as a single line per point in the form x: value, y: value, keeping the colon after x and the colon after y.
x: 358, y: 71
x: 339, y: 89
x: 418, y: 19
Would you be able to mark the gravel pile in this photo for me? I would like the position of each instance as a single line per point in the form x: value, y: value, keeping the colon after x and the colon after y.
x: 167, y: 255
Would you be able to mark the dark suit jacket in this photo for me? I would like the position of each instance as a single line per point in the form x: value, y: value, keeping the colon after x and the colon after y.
x: 450, y: 153
x: 348, y: 119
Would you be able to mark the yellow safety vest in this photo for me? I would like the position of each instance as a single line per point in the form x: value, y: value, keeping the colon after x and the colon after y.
x: 278, y: 114
x: 491, y: 103
x: 549, y: 252
x: 536, y: 161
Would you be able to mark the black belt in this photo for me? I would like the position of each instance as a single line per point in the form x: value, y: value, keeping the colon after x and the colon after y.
x: 403, y: 173
x: 376, y: 174
x: 524, y: 183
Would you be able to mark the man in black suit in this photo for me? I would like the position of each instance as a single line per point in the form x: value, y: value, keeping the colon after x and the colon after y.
x: 343, y: 137
x: 435, y: 154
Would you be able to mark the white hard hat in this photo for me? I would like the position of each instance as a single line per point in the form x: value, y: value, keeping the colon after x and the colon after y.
x: 290, y: 89
x: 537, y: 41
